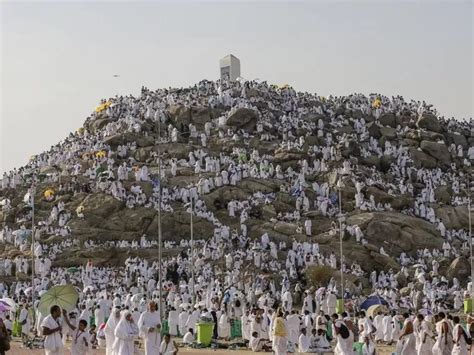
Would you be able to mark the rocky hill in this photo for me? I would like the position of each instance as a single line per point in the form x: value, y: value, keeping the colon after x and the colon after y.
x: 286, y: 149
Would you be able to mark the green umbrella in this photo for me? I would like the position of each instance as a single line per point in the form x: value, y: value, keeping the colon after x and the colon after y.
x: 72, y: 269
x: 64, y: 296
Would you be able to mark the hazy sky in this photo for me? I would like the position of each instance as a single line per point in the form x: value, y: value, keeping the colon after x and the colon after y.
x: 58, y: 58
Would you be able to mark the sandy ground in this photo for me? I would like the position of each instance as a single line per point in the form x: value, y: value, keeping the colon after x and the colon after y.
x: 17, y: 350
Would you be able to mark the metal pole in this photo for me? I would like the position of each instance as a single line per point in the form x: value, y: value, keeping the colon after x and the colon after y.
x: 340, y: 241
x: 192, y: 253
x: 33, y: 243
x: 160, y: 260
x: 470, y: 235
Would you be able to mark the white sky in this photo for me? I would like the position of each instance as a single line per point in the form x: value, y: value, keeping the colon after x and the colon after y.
x: 58, y: 58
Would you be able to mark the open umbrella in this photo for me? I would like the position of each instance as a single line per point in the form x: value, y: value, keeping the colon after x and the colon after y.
x: 375, y: 309
x: 64, y: 296
x: 8, y: 302
x: 372, y: 300
x: 72, y: 269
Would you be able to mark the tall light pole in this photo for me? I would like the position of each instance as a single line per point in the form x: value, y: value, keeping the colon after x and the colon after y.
x: 470, y: 234
x: 32, y: 197
x: 192, y: 253
x: 340, y: 186
x: 160, y: 255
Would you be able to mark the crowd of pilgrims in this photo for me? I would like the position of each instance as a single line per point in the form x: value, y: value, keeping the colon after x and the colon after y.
x: 231, y: 270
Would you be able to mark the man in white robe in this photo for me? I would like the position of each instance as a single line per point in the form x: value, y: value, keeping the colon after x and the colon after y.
x: 149, y: 326
x: 173, y: 322
x: 245, y: 321
x: 304, y: 342
x: 224, y: 326
x: 51, y: 329
x: 182, y: 320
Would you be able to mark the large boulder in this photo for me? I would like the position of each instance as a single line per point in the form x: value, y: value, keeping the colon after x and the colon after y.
x: 285, y: 228
x: 101, y: 205
x: 388, y: 119
x: 429, y: 122
x: 437, y: 151
x: 100, y: 123
x: 374, y: 130
x: 453, y: 217
x: 242, y: 118
x: 444, y: 194
x: 457, y: 139
x: 460, y: 268
x: 397, y: 232
x: 421, y: 159
x: 388, y: 132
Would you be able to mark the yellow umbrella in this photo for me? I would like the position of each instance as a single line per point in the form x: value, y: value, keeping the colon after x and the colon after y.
x: 64, y: 296
x: 376, y: 308
x: 103, y: 106
x: 48, y: 193
x: 377, y: 102
x: 100, y: 154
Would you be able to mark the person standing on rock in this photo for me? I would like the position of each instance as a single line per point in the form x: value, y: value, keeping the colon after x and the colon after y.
x: 307, y: 225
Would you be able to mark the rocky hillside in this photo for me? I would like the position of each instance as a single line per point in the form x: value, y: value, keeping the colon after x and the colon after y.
x: 396, y: 155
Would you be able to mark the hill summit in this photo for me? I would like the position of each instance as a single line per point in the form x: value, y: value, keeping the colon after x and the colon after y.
x: 260, y: 162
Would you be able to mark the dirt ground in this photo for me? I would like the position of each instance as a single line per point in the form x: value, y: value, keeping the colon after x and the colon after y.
x: 17, y: 350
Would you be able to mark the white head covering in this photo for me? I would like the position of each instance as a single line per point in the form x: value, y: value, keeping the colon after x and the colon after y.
x: 124, y: 328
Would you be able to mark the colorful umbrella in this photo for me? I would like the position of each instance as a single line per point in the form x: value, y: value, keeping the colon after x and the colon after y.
x: 8, y: 302
x: 375, y: 309
x: 372, y: 300
x: 64, y: 296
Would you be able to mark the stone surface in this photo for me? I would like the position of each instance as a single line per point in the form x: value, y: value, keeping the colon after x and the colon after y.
x: 429, y: 122
x: 437, y: 151
x: 242, y: 118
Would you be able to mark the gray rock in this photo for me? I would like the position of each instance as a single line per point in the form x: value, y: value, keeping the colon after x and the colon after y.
x: 421, y: 159
x: 388, y: 132
x: 374, y: 130
x: 457, y: 139
x: 437, y: 151
x: 429, y: 122
x: 460, y: 268
x: 388, y: 119
x: 453, y: 217
x: 443, y: 194
x: 397, y: 232
x: 243, y: 118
